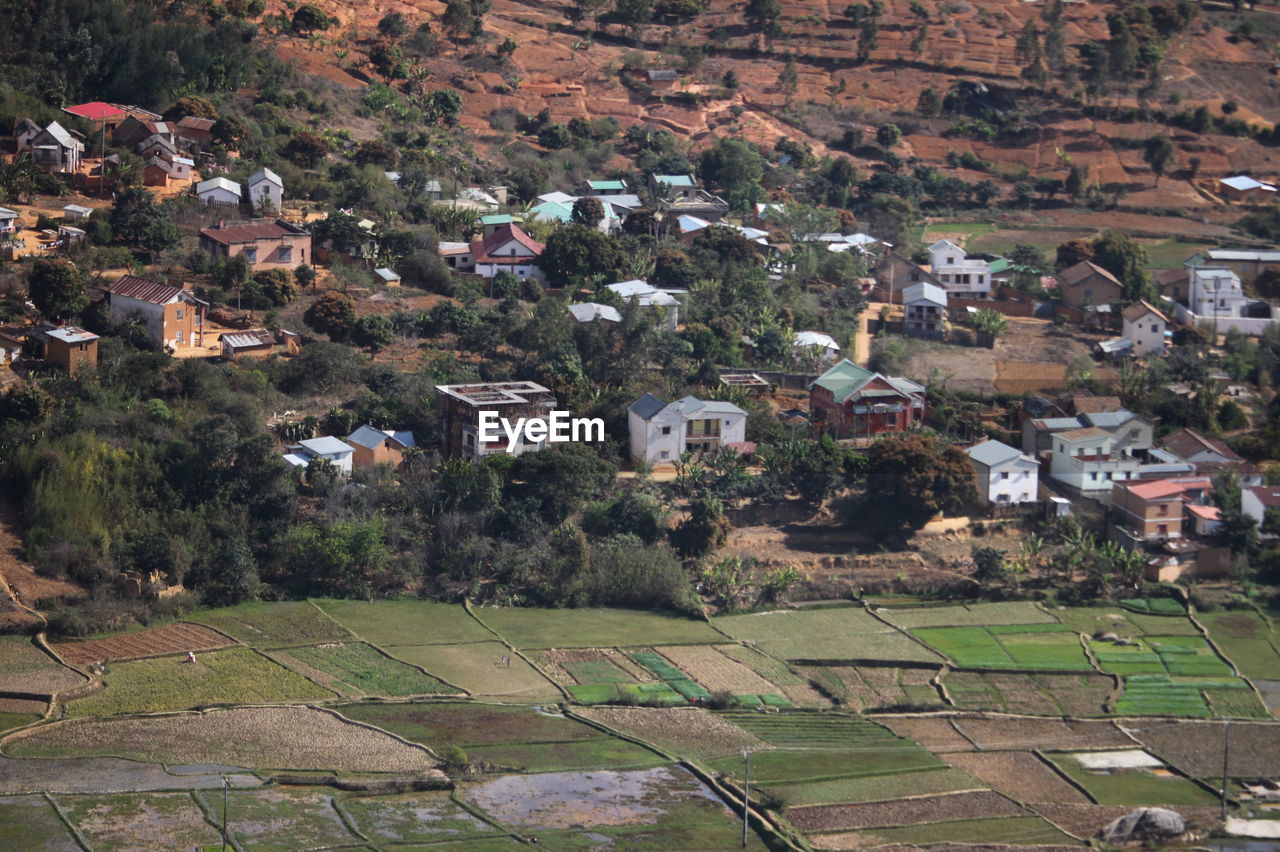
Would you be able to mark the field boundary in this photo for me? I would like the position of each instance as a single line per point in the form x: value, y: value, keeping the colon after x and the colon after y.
x: 466, y: 605
x: 1039, y: 753
x: 231, y: 641
x: 62, y: 816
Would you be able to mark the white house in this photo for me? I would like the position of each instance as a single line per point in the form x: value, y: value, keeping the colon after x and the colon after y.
x: 663, y: 432
x: 1005, y: 475
x: 1257, y: 501
x: 218, y: 190
x: 926, y: 310
x: 55, y: 149
x: 593, y: 311
x: 1216, y: 293
x: 508, y: 249
x: 10, y: 221
x: 961, y: 275
x: 1144, y: 328
x: 651, y: 297
x: 457, y: 255
x: 266, y: 191
x: 807, y: 344
x: 1091, y: 459
x: 76, y: 212
x: 333, y: 450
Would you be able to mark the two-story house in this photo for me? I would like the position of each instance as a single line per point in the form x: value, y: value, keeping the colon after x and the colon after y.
x: 848, y: 401
x: 266, y: 192
x: 56, y: 149
x: 1003, y: 474
x: 507, y: 249
x: 1155, y: 509
x: 173, y: 317
x: 71, y: 348
x: 10, y: 221
x: 1092, y: 459
x: 965, y: 276
x: 1038, y: 432
x: 925, y: 310
x: 265, y: 243
x: 1144, y: 327
x: 684, y: 195
x: 1257, y: 501
x: 661, y: 433
x: 462, y: 405
x: 1087, y: 284
x: 1216, y: 292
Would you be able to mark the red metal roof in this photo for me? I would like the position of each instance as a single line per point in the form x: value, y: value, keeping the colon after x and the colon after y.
x: 145, y: 290
x: 481, y: 248
x: 94, y: 110
x: 249, y: 233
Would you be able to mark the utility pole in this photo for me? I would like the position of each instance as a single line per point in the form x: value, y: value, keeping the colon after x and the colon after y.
x: 746, y: 793
x: 224, y: 813
x: 1226, y: 756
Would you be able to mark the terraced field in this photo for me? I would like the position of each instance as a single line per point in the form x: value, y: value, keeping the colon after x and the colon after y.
x: 843, y: 634
x: 1048, y: 647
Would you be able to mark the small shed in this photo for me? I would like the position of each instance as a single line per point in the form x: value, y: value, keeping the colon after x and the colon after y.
x: 76, y: 212
x: 388, y: 277
x: 256, y: 342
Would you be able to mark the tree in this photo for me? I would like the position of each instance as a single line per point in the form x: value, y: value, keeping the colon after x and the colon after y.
x: 306, y: 149
x: 305, y: 276
x: 191, y: 105
x: 1072, y: 252
x: 788, y: 79
x: 587, y: 210
x: 1238, y: 531
x: 706, y: 529
x: 56, y: 288
x: 868, y: 39
x: 332, y: 314
x: 376, y: 152
x: 1126, y: 259
x: 133, y: 213
x: 575, y: 253
x: 929, y: 104
x: 888, y: 136
x: 443, y: 106
x: 374, y: 332
x: 555, y: 136
x: 1077, y: 181
x: 309, y: 19
x: 1158, y: 153
x: 910, y: 478
x: 760, y: 14
x: 393, y: 25
x: 458, y: 19
x: 989, y: 324
x: 986, y: 191
x: 988, y: 564
x: 278, y: 286
x: 735, y: 166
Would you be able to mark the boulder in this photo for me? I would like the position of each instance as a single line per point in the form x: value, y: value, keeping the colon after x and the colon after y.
x: 1144, y: 825
x: 1107, y: 637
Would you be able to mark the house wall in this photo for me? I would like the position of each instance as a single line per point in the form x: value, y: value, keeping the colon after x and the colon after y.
x: 384, y: 453
x: 218, y: 195
x: 1147, y: 334
x: 842, y: 421
x: 273, y: 194
x: 924, y: 319
x: 1253, y: 507
x: 275, y: 253
x: 650, y: 444
x: 1019, y: 487
x: 521, y: 271
x: 72, y: 357
x: 155, y: 176
x: 1248, y: 326
x: 263, y: 351
x: 1093, y: 290
x: 1150, y: 519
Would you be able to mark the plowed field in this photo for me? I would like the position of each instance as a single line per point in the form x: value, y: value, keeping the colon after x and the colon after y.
x: 971, y: 805
x: 177, y: 638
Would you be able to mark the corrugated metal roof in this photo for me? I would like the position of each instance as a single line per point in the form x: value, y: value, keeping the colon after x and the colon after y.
x: 647, y: 406
x: 145, y: 290
x: 249, y: 339
x: 326, y: 446
x: 213, y: 183
x: 265, y: 174
x: 589, y: 311
x: 992, y: 453
x: 249, y: 233
x: 676, y: 180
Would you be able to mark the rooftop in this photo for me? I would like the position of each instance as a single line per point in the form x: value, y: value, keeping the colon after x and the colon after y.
x: 992, y: 453
x: 1267, y: 495
x: 369, y: 437
x: 252, y: 231
x: 94, y: 110
x: 494, y: 393
x: 246, y: 339
x: 590, y: 311
x: 1141, y: 308
x: 145, y: 290
x: 71, y: 334
x: 1073, y: 275
x: 326, y: 446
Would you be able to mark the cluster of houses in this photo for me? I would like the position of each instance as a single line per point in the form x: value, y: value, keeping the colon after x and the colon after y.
x: 265, y: 194
x: 363, y: 448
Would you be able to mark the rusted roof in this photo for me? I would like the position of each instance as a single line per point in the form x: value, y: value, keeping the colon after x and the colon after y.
x: 503, y: 235
x: 249, y: 232
x: 1072, y: 276
x: 1141, y: 308
x: 145, y: 290
x: 247, y: 339
x: 190, y: 122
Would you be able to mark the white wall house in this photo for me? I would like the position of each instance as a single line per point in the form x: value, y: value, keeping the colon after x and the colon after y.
x: 333, y: 450
x: 266, y: 191
x: 1256, y: 501
x: 646, y: 296
x: 1091, y: 459
x: 663, y: 432
x: 1144, y: 327
x: 1004, y: 474
x: 1216, y: 291
x: 960, y: 275
x: 925, y: 310
x: 508, y: 248
x: 218, y: 190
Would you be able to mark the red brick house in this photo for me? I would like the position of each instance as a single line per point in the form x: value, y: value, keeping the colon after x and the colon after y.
x: 848, y: 401
x: 266, y: 243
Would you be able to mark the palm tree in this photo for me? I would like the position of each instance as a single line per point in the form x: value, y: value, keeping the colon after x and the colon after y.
x: 18, y: 179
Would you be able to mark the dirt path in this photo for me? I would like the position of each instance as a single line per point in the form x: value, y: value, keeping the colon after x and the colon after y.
x: 20, y: 586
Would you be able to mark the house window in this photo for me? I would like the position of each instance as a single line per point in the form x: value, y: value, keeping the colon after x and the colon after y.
x: 1004, y: 474
x: 251, y: 254
x: 950, y: 261
x: 1093, y: 477
x: 1088, y: 294
x: 1107, y: 476
x: 286, y: 254
x: 181, y: 338
x: 178, y: 316
x: 1164, y: 509
x: 1163, y: 529
x: 666, y: 430
x: 663, y: 455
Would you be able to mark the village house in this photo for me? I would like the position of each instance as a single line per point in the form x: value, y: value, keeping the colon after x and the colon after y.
x: 1154, y: 509
x: 330, y: 449
x: 662, y: 79
x: 266, y: 192
x: 160, y: 170
x: 1144, y: 327
x: 462, y: 405
x: 194, y: 132
x: 1243, y: 189
x: 265, y: 243
x: 1210, y: 456
x: 1258, y: 501
x: 219, y: 190
x: 848, y: 401
x: 1038, y: 432
x: 457, y: 255
x: 76, y: 213
x: 379, y: 446
x: 661, y: 433
x: 173, y: 317
x: 925, y: 308
x: 157, y: 146
x: 1087, y: 284
x: 1004, y: 475
x: 594, y: 312
x: 605, y: 188
x: 1173, y: 284
x: 1091, y: 459
x: 814, y: 347
x: 508, y: 248
x: 683, y: 194
x: 70, y: 348
x: 1248, y: 264
x: 258, y: 343
x: 24, y: 131
x: 135, y: 132
x: 10, y: 221
x: 965, y: 276
x: 645, y: 296
x: 56, y: 149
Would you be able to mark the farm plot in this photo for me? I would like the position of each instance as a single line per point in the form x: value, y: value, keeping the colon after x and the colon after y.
x: 1019, y: 831
x: 1035, y: 694
x: 30, y: 822
x: 1053, y: 647
x: 605, y: 676
x: 280, y: 820
x: 176, y: 638
x: 26, y: 669
x: 273, y: 624
x: 479, y: 669
x: 873, y: 687
x: 1196, y: 747
x: 875, y: 788
x: 1161, y: 695
x: 683, y: 731
x: 16, y: 712
x: 847, y: 634
x: 717, y: 672
x: 594, y: 628
x: 1085, y: 820
x: 428, y: 817
x: 406, y: 622
x: 233, y: 676
x: 797, y: 689
x: 1096, y: 620
x: 1132, y: 786
x: 937, y: 734
x: 1248, y: 639
x: 149, y: 821
x: 1020, y: 775
x: 355, y: 668
x: 977, y: 804
x: 972, y: 615
x: 256, y: 737
x: 1055, y: 734
x: 1154, y: 606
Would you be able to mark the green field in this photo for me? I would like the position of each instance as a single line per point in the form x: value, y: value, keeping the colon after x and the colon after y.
x: 1154, y: 606
x: 1134, y: 787
x: 600, y: 753
x: 9, y: 721
x: 1248, y: 639
x: 975, y: 615
x: 597, y: 671
x: 1174, y: 655
x: 842, y: 633
x: 1025, y: 830
x: 1155, y: 694
x: 875, y: 788
x: 273, y: 625
x: 478, y: 668
x: 627, y: 693
x: 233, y: 676
x: 1053, y: 647
x: 407, y: 622
x: 594, y: 628
x: 362, y: 669
x: 30, y: 822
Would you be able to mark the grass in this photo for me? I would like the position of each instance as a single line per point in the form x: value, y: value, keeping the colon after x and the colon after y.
x: 1023, y: 830
x: 603, y: 752
x: 1134, y: 787
x: 280, y: 820
x: 839, y: 633
x: 1043, y: 647
x: 30, y: 822
x: 596, y: 671
x: 233, y: 676
x: 594, y: 628
x: 767, y: 667
x: 367, y: 671
x: 9, y: 721
x: 1154, y: 606
x: 406, y: 622
x: 626, y: 693
x: 1160, y: 695
x: 130, y: 822
x: 671, y: 675
x: 1172, y: 252
x: 813, y: 730
x: 427, y: 817
x: 875, y: 788
x: 1174, y: 655
x: 477, y: 668
x: 789, y: 766
x: 437, y: 724
x: 1236, y: 703
x: 273, y: 625
x: 979, y: 615
x: 722, y: 834
x: 1248, y: 639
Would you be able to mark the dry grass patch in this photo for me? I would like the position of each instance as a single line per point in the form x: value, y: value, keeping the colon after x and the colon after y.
x: 478, y: 668
x: 1020, y: 775
x: 1196, y: 747
x: 679, y: 730
x: 970, y: 805
x: 870, y: 687
x: 257, y: 737
x: 1051, y: 734
x: 150, y: 821
x: 935, y: 733
x: 715, y: 671
x: 26, y: 668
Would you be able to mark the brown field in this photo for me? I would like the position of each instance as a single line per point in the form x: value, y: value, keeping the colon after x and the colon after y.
x: 1055, y: 734
x: 176, y: 638
x: 715, y: 671
x: 972, y: 805
x: 1196, y: 747
x: 26, y: 668
x: 1038, y: 694
x: 869, y: 687
x: 680, y: 730
x: 254, y: 737
x: 1020, y: 775
x: 1085, y: 820
x: 934, y: 733
x: 549, y: 661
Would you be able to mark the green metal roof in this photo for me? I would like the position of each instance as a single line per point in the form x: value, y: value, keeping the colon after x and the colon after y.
x: 674, y: 180
x: 1000, y: 264
x: 843, y: 379
x: 496, y: 219
x: 607, y: 184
